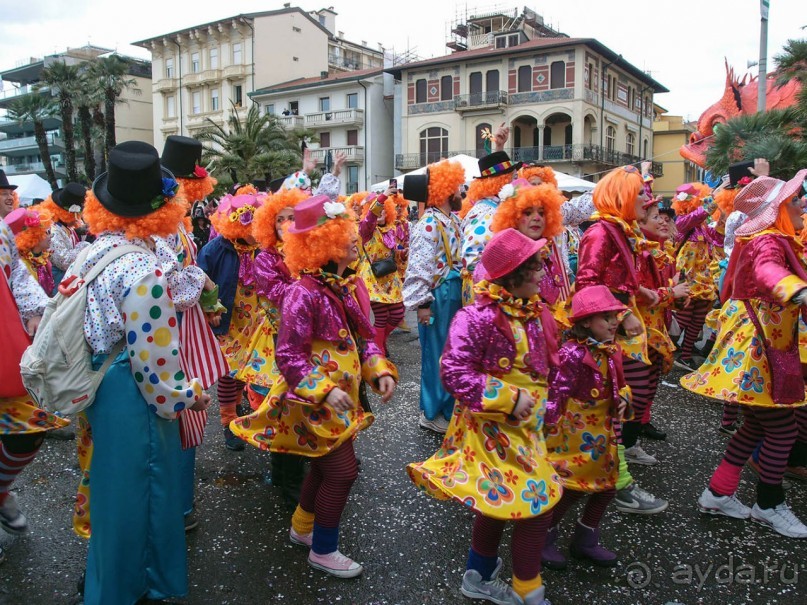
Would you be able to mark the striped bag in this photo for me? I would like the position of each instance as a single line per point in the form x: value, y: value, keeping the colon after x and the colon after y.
x: 200, y: 357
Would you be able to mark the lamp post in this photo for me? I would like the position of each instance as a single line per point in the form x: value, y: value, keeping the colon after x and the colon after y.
x: 762, y: 88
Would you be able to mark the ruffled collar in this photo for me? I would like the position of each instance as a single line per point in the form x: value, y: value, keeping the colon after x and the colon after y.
x: 39, y: 260
x: 344, y: 288
x: 638, y: 242
x: 517, y: 308
x: 609, y: 348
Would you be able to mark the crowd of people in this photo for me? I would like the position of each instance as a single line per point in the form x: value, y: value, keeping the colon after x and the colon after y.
x: 545, y: 325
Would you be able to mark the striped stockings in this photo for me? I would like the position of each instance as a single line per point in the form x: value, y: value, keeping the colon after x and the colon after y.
x: 327, y: 485
x: 691, y: 320
x: 229, y: 392
x: 16, y: 452
x: 528, y: 539
x: 386, y: 317
x: 643, y: 381
x: 593, y: 511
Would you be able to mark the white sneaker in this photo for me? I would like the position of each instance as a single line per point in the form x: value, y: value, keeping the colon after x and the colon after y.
x: 780, y: 519
x: 728, y: 506
x: 336, y: 564
x: 11, y: 518
x: 438, y: 425
x: 633, y: 499
x: 637, y: 455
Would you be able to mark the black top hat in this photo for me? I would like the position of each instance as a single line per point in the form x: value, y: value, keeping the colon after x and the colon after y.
x: 4, y: 184
x: 416, y: 187
x: 259, y: 184
x: 496, y: 164
x: 275, y: 184
x: 133, y: 183
x: 71, y: 195
x: 181, y: 155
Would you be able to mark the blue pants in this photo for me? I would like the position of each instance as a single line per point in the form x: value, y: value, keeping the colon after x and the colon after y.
x: 187, y: 465
x: 137, y: 546
x: 447, y: 301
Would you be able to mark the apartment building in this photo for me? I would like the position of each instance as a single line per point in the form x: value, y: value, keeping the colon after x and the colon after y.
x: 669, y: 133
x: 18, y: 148
x: 202, y: 72
x: 349, y: 113
x: 571, y: 103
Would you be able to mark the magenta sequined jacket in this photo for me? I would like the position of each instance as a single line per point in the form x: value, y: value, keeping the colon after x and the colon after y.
x: 606, y: 258
x: 762, y: 263
x: 691, y: 227
x: 480, y: 344
x: 312, y: 311
x: 579, y: 377
x: 272, y: 277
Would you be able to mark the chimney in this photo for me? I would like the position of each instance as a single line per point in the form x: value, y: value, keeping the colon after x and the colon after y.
x: 364, y: 42
x: 287, y: 5
x: 340, y: 34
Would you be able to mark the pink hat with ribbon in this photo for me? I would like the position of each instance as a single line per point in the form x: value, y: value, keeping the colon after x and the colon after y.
x: 315, y: 211
x: 761, y: 200
x: 240, y: 208
x: 592, y: 300
x: 507, y: 250
x: 21, y: 219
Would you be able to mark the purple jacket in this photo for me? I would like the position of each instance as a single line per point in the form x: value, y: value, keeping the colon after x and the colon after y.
x: 312, y: 311
x: 480, y: 344
x: 579, y: 377
x: 272, y: 277
x: 690, y: 227
x: 758, y: 266
x: 606, y: 258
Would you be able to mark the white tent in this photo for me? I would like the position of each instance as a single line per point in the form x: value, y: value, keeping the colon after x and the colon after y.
x: 566, y: 182
x: 30, y: 187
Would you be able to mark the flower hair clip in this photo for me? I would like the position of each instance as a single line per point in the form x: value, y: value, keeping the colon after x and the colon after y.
x: 507, y: 191
x: 74, y: 209
x: 199, y: 172
x: 169, y: 190
x: 683, y: 197
x: 746, y: 180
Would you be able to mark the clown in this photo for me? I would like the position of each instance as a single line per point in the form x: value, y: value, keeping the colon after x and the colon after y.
x: 31, y: 228
x: 65, y: 206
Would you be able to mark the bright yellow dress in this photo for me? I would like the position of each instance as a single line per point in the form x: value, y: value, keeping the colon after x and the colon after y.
x: 582, y: 445
x: 695, y: 260
x: 491, y: 462
x: 388, y: 289
x: 245, y: 321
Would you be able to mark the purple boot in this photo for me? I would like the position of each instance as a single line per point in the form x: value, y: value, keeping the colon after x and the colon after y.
x: 586, y: 545
x: 551, y: 557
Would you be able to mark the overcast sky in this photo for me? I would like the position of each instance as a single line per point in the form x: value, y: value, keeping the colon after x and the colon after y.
x: 682, y: 45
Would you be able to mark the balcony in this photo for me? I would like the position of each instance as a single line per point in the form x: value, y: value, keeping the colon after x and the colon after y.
x: 234, y: 72
x: 165, y: 85
x: 291, y: 122
x: 354, y: 155
x: 210, y: 76
x: 412, y: 161
x: 28, y: 144
x: 493, y: 99
x: 34, y: 168
x: 193, y: 79
x: 339, y: 117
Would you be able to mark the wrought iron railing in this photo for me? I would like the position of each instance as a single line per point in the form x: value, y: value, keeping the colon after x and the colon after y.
x: 474, y: 100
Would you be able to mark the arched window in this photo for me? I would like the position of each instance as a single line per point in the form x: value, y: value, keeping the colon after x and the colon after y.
x: 610, y: 138
x: 446, y: 88
x: 492, y: 80
x: 433, y: 144
x: 475, y: 87
x: 646, y: 155
x: 630, y: 144
x: 480, y: 142
x: 524, y: 78
x: 557, y: 75
x: 567, y: 139
x: 420, y: 91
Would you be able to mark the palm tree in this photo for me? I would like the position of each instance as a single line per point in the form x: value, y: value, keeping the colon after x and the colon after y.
x: 87, y: 100
x: 36, y: 108
x: 62, y: 79
x: 111, y: 75
x: 791, y: 64
x: 254, y: 148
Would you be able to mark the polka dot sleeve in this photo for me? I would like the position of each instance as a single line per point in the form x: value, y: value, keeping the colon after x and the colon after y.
x: 152, y: 340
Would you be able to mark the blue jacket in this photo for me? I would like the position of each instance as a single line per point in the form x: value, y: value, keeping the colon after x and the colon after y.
x: 221, y: 263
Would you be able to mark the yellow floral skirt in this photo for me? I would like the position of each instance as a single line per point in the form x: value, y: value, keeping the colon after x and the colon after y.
x: 493, y: 464
x: 259, y: 366
x: 695, y: 261
x: 636, y: 347
x: 20, y: 415
x: 244, y: 323
x: 737, y: 369
x: 285, y: 423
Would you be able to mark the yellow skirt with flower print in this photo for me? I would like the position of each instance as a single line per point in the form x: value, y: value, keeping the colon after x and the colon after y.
x: 493, y: 464
x: 259, y: 367
x: 243, y: 324
x: 737, y: 369
x: 20, y: 415
x: 288, y: 424
x: 636, y: 347
x: 694, y: 259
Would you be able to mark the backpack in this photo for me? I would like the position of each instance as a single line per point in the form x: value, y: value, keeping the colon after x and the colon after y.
x: 57, y: 368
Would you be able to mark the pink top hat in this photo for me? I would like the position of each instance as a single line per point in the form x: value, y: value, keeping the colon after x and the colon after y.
x: 593, y: 300
x: 314, y: 211
x: 687, y: 188
x: 762, y: 199
x: 507, y: 250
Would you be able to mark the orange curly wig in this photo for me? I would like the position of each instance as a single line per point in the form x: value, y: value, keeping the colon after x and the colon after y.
x: 615, y: 194
x: 316, y: 248
x: 58, y: 213
x: 445, y: 177
x: 545, y: 173
x: 692, y: 204
x: 725, y: 201
x: 248, y: 189
x: 482, y: 188
x: 402, y: 204
x: 541, y: 196
x: 355, y: 202
x: 162, y: 222
x: 390, y: 210
x: 195, y: 190
x: 263, y: 225
x: 31, y: 236
x: 234, y: 230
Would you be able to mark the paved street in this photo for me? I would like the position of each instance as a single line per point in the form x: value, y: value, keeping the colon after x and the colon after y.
x: 414, y: 548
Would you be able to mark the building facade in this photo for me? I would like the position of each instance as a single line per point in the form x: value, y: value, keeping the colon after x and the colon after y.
x: 203, y: 72
x: 571, y: 103
x: 349, y: 113
x: 669, y: 133
x: 18, y: 148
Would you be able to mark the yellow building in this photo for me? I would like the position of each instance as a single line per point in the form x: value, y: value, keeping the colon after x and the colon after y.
x: 669, y: 133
